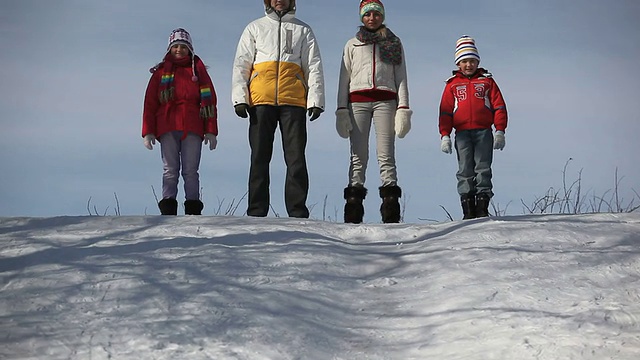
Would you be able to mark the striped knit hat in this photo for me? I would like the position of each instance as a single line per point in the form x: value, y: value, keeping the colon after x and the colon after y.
x: 466, y: 49
x: 371, y: 5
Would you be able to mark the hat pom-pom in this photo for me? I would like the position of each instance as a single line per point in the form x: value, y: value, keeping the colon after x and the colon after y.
x: 194, y: 78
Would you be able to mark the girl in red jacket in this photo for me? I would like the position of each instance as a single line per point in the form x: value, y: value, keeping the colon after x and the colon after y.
x: 472, y: 104
x: 180, y: 112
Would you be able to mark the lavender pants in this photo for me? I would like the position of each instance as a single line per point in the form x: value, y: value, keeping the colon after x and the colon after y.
x: 180, y: 153
x: 381, y: 114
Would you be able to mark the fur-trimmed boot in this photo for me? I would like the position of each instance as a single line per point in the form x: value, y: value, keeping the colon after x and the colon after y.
x: 193, y: 207
x: 390, y: 208
x: 482, y: 205
x: 353, y: 209
x: 468, y: 202
x: 168, y: 206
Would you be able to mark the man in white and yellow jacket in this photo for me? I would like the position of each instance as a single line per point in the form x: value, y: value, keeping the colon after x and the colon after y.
x: 277, y: 78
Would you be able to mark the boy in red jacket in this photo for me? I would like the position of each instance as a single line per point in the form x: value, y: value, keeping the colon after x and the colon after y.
x: 180, y: 112
x: 471, y: 104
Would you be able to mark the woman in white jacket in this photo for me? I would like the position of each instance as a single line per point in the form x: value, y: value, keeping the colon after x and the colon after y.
x: 373, y: 90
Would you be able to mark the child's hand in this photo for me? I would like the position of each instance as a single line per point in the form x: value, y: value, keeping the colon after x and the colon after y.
x: 210, y: 139
x: 149, y: 141
x: 498, y: 140
x: 445, y: 144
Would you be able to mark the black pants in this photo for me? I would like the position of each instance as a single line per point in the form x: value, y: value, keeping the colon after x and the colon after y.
x: 293, y: 128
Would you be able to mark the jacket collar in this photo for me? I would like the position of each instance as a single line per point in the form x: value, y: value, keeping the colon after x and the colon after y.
x: 481, y: 72
x: 273, y: 15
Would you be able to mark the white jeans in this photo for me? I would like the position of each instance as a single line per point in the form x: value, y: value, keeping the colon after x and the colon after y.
x: 382, y: 115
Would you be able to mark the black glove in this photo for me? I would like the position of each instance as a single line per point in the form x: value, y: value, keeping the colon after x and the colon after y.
x: 242, y: 110
x: 314, y: 113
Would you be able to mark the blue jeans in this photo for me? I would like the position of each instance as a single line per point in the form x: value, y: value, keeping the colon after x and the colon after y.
x: 474, y: 149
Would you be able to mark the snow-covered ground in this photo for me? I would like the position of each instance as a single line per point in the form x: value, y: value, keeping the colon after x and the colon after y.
x: 152, y: 287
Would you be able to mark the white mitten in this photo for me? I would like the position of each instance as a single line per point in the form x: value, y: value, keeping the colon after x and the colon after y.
x: 149, y: 140
x: 498, y: 140
x: 210, y: 139
x: 445, y: 145
x: 343, y: 123
x: 403, y: 122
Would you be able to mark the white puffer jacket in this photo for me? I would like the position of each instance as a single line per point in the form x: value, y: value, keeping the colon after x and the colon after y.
x: 278, y: 63
x: 362, y: 69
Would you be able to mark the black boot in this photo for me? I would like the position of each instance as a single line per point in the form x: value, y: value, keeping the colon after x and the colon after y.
x: 193, y: 207
x: 353, y: 209
x: 168, y: 207
x: 482, y: 205
x: 390, y: 208
x: 468, y: 202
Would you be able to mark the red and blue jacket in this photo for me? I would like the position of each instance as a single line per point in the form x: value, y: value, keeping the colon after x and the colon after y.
x: 471, y: 103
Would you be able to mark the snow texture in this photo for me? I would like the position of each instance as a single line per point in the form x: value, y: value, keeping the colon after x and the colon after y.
x: 150, y: 287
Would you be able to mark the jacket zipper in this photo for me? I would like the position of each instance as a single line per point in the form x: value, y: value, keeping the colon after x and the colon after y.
x: 373, y: 66
x: 278, y: 60
x: 471, y: 94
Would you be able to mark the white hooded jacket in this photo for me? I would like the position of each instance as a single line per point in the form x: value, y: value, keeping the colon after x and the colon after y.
x: 362, y: 69
x: 278, y: 63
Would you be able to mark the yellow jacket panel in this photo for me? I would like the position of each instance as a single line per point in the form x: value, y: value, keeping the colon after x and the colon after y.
x: 278, y: 63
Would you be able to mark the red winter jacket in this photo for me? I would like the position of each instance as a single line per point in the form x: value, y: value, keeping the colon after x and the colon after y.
x: 472, y: 103
x: 180, y: 114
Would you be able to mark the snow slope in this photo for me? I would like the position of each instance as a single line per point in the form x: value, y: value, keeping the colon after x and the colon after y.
x: 518, y: 287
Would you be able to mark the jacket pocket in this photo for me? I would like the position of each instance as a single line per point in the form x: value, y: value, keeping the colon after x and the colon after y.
x: 303, y: 83
x: 253, y: 76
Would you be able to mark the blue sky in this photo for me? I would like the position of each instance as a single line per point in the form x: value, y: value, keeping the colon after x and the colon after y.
x: 74, y: 74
